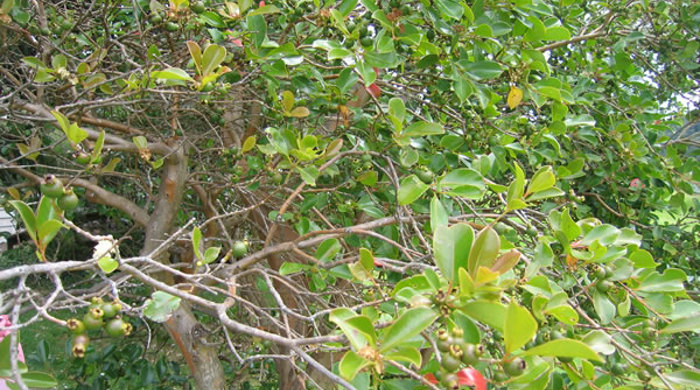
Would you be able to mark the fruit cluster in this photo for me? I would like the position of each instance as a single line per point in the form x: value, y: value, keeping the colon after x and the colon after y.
x: 100, y: 315
x: 455, y: 352
x: 52, y: 187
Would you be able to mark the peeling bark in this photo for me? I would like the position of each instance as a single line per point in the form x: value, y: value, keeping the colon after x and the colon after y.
x: 185, y: 330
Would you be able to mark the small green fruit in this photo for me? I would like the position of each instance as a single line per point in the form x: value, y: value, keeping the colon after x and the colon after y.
x: 69, y: 201
x: 51, y: 186
x: 80, y: 344
x: 156, y: 19
x: 500, y: 377
x: 76, y: 326
x: 83, y: 158
x: 240, y: 249
x: 111, y: 309
x: 603, y: 286
x: 450, y: 363
x: 118, y: 328
x: 172, y: 26
x: 425, y: 175
x: 471, y: 353
x: 93, y: 319
x: 619, y: 368
x: 197, y: 7
x: 514, y: 367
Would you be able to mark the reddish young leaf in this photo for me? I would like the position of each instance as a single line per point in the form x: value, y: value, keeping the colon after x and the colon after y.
x: 431, y: 378
x: 471, y: 377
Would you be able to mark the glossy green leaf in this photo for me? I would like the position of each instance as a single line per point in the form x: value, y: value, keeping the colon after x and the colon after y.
x: 410, y: 189
x: 520, y: 327
x: 451, y: 246
x: 484, y: 251
x: 422, y: 128
x: 107, y: 264
x: 39, y: 380
x: 213, y: 56
x: 685, y: 324
x: 438, y: 214
x: 543, y: 179
x: 328, y: 250
x: 160, y: 306
x: 48, y: 230
x: 407, y: 326
x: 27, y: 216
x: 171, y: 74
x: 564, y: 348
x: 490, y: 313
x: 351, y: 364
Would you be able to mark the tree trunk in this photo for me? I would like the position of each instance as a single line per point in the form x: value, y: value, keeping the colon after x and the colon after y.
x: 185, y: 330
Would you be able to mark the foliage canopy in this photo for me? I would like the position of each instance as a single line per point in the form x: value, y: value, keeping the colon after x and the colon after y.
x: 363, y: 194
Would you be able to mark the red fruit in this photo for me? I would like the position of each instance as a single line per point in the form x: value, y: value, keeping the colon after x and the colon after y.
x: 374, y: 90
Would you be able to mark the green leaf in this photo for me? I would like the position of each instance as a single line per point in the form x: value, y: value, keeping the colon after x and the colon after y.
x: 366, y: 259
x: 197, y: 242
x: 642, y: 259
x: 351, y: 364
x: 557, y: 33
x: 543, y: 179
x: 570, y: 229
x: 406, y: 354
x: 604, y: 234
x: 451, y: 247
x: 27, y: 216
x: 97, y: 149
x: 264, y: 10
x: 309, y: 174
x: 484, y: 70
x: 41, y: 380
x: 683, y: 378
x: 450, y: 8
x: 685, y: 324
x: 75, y: 134
x: 171, y: 74
x: 605, y: 309
x: 397, y: 113
x: 211, y: 254
x: 299, y: 112
x: 671, y: 281
x: 599, y: 341
x: 408, y: 325
x: 484, y: 251
x: 48, y: 230
x: 463, y: 182
x: 357, y: 337
x: 328, y: 249
x: 490, y: 313
x: 196, y: 53
x: 160, y: 306
x: 382, y: 60
x: 46, y: 210
x: 107, y: 264
x: 438, y: 214
x: 564, y: 348
x: 287, y: 101
x: 289, y: 268
x: 506, y: 261
x: 520, y: 327
x: 363, y: 325
x: 410, y: 189
x: 346, y: 7
x: 422, y: 128
x: 7, y: 6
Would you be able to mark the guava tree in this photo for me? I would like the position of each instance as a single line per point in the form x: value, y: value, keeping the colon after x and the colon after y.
x: 367, y: 194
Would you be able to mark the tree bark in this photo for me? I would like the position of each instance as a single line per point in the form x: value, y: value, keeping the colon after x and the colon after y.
x: 185, y: 330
